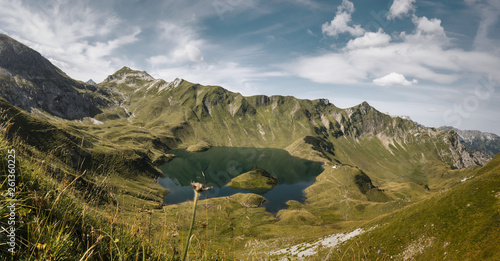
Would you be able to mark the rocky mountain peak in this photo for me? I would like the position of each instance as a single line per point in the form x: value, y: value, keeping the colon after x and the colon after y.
x: 175, y: 83
x: 364, y: 107
x: 126, y: 74
x: 91, y: 82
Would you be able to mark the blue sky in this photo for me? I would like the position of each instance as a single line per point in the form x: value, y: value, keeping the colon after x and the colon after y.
x: 435, y: 61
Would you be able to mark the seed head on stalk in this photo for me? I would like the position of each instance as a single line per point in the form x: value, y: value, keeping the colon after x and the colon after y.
x: 198, y: 188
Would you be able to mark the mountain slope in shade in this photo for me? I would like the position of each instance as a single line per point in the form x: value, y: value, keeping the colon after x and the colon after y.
x: 30, y: 81
x: 473, y: 140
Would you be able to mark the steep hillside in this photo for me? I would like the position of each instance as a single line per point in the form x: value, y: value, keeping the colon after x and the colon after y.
x: 462, y: 223
x: 76, y: 148
x: 62, y: 212
x: 30, y: 81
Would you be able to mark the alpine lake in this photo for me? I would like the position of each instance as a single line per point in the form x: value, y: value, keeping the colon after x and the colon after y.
x: 218, y: 165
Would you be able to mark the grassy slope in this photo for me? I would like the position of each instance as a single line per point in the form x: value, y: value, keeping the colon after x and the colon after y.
x: 257, y: 178
x: 125, y: 167
x: 407, y: 169
x: 63, y: 213
x: 462, y: 223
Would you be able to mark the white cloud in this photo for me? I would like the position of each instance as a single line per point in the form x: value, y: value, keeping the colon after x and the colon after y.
x: 158, y: 60
x: 179, y: 42
x: 370, y: 39
x: 193, y: 53
x: 360, y: 65
x: 346, y: 6
x: 341, y: 21
x: 425, y: 54
x: 79, y: 39
x: 400, y: 8
x: 429, y: 30
x: 311, y: 33
x: 394, y: 79
x: 328, y: 68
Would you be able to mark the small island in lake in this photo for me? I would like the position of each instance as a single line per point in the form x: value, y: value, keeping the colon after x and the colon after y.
x: 258, y: 178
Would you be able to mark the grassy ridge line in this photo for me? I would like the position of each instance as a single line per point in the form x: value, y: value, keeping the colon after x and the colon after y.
x: 207, y: 112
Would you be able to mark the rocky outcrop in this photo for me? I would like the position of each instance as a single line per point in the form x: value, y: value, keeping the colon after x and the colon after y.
x: 91, y: 82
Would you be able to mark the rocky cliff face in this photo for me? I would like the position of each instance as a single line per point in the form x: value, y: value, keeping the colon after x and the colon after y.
x: 458, y: 155
x: 30, y: 81
x: 473, y: 140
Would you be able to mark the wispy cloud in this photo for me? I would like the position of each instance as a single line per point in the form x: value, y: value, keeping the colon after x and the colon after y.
x: 179, y: 43
x: 489, y: 12
x: 231, y: 75
x: 369, y: 39
x: 73, y: 35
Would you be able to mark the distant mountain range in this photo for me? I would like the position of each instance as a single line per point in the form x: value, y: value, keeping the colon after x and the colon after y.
x: 486, y: 142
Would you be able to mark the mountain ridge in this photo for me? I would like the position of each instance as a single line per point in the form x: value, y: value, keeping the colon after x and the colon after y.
x: 247, y: 119
x: 486, y: 142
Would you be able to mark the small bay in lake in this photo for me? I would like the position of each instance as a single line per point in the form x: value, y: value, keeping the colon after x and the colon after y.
x: 221, y: 164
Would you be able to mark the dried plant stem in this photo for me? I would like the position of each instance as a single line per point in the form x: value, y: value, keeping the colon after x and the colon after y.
x: 196, y: 196
x: 85, y: 257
